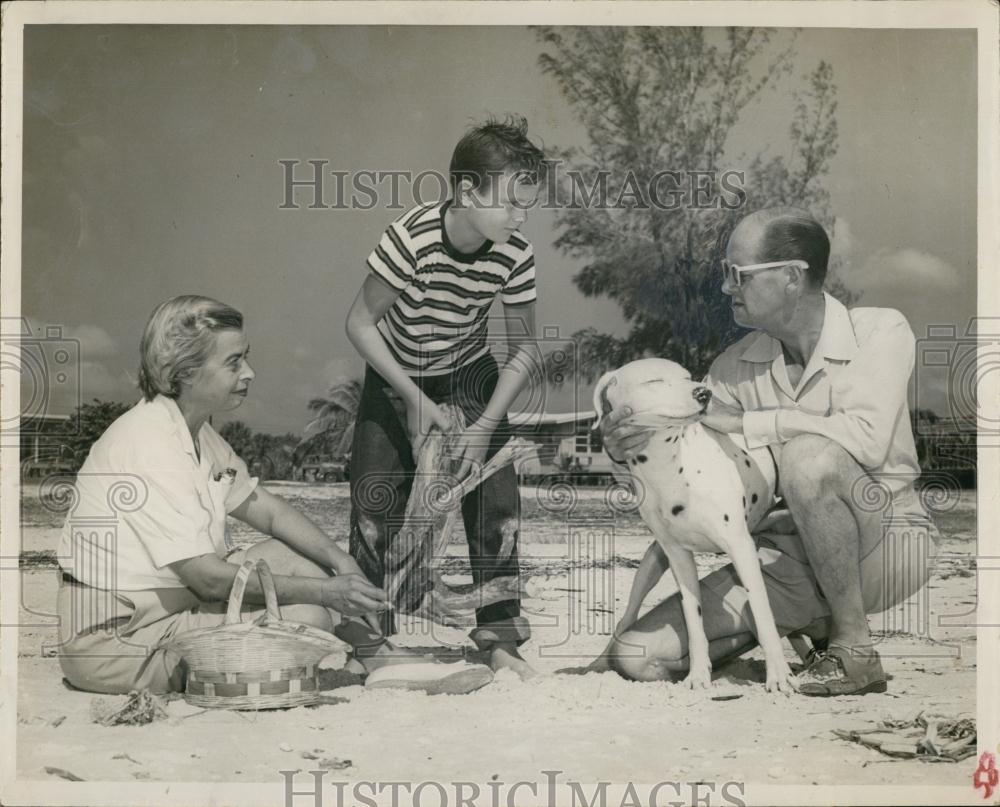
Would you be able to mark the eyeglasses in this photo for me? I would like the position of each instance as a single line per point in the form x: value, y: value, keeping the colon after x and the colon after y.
x: 732, y: 272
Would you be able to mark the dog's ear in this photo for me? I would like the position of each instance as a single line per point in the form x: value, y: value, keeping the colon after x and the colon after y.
x: 601, y: 403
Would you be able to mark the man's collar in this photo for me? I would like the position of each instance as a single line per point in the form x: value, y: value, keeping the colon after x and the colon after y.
x: 761, y: 347
x: 177, y: 419
x: 836, y: 339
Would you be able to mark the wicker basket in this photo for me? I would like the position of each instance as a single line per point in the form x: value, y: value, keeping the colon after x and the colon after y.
x: 265, y: 664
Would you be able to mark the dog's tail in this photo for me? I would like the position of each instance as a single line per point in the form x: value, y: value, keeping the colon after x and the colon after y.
x: 601, y: 403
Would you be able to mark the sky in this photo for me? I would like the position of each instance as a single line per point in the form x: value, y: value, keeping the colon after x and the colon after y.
x: 151, y: 168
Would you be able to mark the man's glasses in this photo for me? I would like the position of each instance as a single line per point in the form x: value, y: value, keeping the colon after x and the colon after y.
x: 732, y: 272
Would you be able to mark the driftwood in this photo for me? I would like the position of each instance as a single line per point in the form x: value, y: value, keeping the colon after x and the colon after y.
x: 929, y: 738
x: 413, y: 562
x: 142, y: 707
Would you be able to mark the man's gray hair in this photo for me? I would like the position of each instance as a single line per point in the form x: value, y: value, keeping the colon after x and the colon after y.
x: 177, y: 340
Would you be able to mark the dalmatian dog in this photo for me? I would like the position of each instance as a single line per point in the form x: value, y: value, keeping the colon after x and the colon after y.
x: 699, y: 491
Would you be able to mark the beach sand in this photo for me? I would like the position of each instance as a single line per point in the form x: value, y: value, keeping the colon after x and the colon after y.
x: 579, y: 559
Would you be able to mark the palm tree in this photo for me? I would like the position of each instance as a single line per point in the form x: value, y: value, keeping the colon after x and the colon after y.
x: 333, y: 424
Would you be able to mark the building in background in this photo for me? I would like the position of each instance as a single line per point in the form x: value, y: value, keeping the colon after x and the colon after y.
x: 567, y: 446
x: 44, y: 449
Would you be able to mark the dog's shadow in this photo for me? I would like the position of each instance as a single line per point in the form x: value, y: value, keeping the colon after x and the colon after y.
x: 748, y: 670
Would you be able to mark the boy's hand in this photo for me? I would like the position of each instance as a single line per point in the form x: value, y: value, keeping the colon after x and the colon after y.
x: 470, y: 449
x: 421, y: 417
x: 622, y: 438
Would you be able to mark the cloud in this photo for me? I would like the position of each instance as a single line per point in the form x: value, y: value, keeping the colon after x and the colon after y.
x: 62, y: 366
x: 341, y: 369
x: 100, y: 381
x: 842, y: 243
x: 926, y: 288
x: 94, y: 341
x: 904, y: 269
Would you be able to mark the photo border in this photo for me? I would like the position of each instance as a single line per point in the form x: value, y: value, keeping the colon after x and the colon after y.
x: 980, y: 15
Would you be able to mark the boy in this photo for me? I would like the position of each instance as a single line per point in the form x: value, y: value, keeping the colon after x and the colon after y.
x: 420, y: 322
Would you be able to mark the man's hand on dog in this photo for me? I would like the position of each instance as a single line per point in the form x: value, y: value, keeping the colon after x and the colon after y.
x: 722, y: 417
x: 623, y: 439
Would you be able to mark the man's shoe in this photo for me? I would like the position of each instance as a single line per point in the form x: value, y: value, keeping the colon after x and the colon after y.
x: 434, y: 678
x: 837, y: 671
x: 818, y: 648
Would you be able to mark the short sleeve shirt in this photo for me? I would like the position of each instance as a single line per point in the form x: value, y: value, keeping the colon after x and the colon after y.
x: 439, y: 322
x: 145, y: 499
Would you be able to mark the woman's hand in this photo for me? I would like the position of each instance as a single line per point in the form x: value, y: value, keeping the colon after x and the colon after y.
x: 422, y: 415
x: 354, y: 595
x: 470, y: 449
x: 622, y: 438
x: 348, y: 567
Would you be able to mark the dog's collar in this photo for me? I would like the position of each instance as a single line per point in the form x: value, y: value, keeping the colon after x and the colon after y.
x: 659, y: 421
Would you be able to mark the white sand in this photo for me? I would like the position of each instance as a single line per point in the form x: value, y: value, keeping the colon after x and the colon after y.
x: 591, y: 727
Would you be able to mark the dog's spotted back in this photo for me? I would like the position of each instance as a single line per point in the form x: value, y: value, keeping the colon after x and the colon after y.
x: 663, y: 397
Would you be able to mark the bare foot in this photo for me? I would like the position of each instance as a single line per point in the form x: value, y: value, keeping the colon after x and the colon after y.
x: 506, y: 657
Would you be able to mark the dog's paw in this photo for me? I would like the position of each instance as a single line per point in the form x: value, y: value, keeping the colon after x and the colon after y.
x: 780, y: 678
x: 699, y: 679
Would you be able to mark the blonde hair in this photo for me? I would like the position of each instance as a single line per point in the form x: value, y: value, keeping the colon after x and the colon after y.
x: 177, y: 340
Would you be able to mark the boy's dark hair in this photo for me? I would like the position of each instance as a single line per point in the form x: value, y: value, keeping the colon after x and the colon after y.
x: 493, y: 147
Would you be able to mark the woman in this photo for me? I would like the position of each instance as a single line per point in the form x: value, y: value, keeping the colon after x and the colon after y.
x: 145, y: 552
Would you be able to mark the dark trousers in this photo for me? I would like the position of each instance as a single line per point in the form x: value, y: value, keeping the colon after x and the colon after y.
x: 382, y: 468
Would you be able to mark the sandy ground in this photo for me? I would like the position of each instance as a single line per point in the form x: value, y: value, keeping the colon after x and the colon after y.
x: 580, y: 560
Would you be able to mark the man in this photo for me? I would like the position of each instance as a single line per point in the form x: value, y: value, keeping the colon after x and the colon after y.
x: 825, y: 389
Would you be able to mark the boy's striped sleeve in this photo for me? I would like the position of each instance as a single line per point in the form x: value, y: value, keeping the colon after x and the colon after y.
x: 393, y: 259
x: 520, y: 286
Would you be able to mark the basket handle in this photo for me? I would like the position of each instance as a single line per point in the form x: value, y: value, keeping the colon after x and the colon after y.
x: 239, y: 589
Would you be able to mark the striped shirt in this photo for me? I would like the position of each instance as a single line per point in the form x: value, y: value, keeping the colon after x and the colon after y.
x: 439, y: 322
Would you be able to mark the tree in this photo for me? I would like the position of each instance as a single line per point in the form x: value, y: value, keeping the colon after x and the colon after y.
x: 268, y: 456
x: 240, y: 438
x: 653, y: 100
x: 924, y: 425
x: 272, y: 456
x: 331, y: 431
x: 94, y: 419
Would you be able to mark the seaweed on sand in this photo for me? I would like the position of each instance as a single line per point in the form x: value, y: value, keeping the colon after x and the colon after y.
x: 413, y: 561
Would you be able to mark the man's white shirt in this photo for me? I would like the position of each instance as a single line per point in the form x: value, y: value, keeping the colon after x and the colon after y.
x: 853, y: 390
